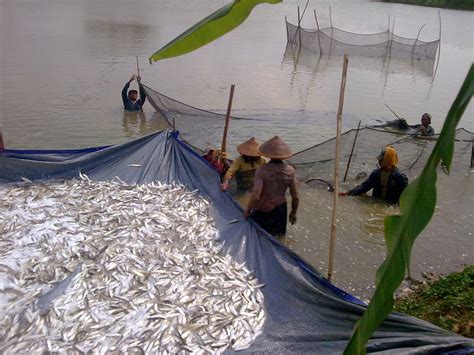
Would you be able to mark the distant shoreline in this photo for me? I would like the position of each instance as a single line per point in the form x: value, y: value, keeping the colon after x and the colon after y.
x: 447, y: 4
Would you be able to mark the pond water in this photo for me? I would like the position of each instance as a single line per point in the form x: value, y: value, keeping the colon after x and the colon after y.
x: 64, y: 63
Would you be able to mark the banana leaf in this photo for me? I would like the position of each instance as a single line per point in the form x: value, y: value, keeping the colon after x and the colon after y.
x: 417, y: 205
x: 207, y: 30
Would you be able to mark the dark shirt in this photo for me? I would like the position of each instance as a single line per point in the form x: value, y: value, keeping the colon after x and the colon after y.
x: 397, y: 182
x: 128, y: 105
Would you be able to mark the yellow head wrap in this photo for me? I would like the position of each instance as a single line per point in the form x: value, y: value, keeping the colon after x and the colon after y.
x: 390, y: 158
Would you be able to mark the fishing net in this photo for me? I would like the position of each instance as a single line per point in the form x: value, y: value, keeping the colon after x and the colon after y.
x: 199, y: 128
x: 202, y: 129
x: 317, y: 163
x: 302, y: 57
x: 332, y: 40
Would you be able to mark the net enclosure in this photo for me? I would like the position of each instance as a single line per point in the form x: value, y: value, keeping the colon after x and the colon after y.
x: 317, y: 162
x: 332, y: 40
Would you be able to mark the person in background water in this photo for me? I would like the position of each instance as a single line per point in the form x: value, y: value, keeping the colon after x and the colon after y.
x: 387, y: 182
x: 267, y: 205
x: 425, y: 129
x: 130, y: 98
x: 215, y: 158
x: 243, y: 168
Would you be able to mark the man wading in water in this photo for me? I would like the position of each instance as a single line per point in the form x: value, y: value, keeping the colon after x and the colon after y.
x: 267, y: 205
x: 387, y: 181
x: 130, y: 102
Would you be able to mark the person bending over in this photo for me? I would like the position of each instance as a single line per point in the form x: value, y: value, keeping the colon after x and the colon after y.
x: 386, y: 182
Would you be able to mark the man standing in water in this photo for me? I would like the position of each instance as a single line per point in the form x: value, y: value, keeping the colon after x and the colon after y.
x: 387, y: 182
x: 267, y: 205
x: 130, y: 100
x: 425, y: 129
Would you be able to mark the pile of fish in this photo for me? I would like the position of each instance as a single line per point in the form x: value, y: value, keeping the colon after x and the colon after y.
x: 147, y: 274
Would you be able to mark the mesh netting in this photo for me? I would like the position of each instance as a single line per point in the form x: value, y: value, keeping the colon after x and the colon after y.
x: 202, y: 129
x: 199, y: 128
x: 317, y: 162
x: 332, y: 40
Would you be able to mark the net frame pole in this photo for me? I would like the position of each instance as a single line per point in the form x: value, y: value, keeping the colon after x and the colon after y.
x: 2, y: 144
x: 227, y: 120
x: 336, y: 167
x: 388, y: 35
x: 439, y: 44
x: 138, y: 72
x: 332, y: 29
x: 299, y: 27
x: 319, y: 37
x: 472, y: 153
x: 287, y: 33
x: 352, y: 151
x: 416, y: 41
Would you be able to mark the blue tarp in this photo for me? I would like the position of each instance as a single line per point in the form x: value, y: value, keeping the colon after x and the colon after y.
x: 304, y: 312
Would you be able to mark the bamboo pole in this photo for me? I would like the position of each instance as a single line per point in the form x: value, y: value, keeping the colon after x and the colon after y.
x: 319, y: 37
x: 299, y: 27
x: 352, y: 151
x: 472, y: 154
x: 439, y: 45
x: 2, y: 145
x: 139, y: 89
x: 332, y: 30
x: 336, y: 166
x: 227, y: 120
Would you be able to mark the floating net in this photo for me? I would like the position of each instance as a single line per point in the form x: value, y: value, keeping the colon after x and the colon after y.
x: 332, y: 40
x: 317, y: 163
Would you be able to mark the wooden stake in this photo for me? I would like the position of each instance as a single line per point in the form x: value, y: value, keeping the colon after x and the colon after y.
x: 138, y: 72
x: 2, y: 145
x: 227, y: 120
x: 352, y: 151
x: 336, y: 166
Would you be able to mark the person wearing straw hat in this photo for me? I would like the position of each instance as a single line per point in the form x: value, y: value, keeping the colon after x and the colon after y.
x: 267, y: 205
x: 386, y: 182
x: 243, y: 168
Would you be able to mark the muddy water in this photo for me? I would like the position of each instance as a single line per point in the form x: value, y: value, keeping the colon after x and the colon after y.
x: 63, y: 64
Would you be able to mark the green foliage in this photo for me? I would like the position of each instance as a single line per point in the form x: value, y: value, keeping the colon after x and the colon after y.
x: 448, y: 302
x: 207, y: 30
x: 417, y: 205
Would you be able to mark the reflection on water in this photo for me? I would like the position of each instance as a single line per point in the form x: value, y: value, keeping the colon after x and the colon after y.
x: 137, y: 124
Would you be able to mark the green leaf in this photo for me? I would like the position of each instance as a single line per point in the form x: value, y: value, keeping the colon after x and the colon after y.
x: 207, y: 30
x: 417, y: 205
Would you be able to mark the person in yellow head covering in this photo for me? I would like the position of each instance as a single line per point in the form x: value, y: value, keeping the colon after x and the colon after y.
x: 386, y: 182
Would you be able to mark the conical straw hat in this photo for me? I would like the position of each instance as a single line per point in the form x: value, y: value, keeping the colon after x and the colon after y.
x: 275, y: 148
x: 249, y: 148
